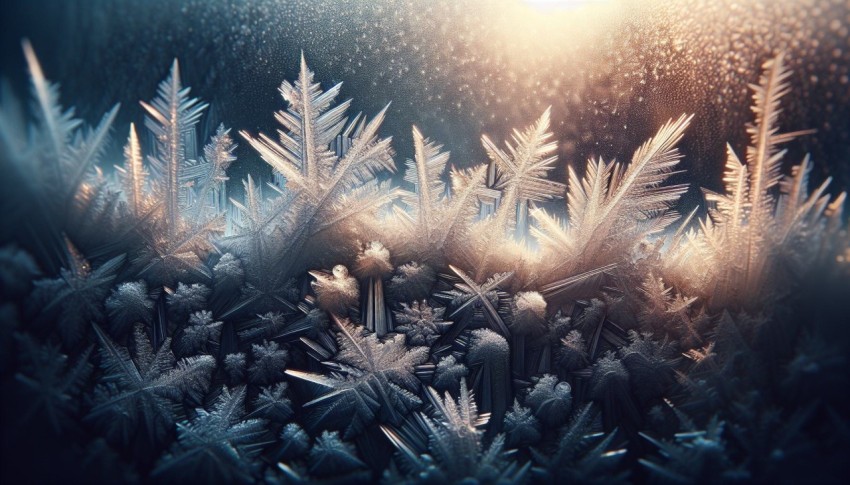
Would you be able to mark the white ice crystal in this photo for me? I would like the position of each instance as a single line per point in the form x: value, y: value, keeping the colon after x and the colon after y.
x: 613, y: 208
x: 437, y: 216
x: 335, y: 292
x: 749, y: 235
x: 327, y: 190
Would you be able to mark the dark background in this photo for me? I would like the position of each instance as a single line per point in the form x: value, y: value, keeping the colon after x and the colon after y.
x: 612, y: 71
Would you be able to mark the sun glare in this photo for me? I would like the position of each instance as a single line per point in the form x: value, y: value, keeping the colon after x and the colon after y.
x: 562, y: 4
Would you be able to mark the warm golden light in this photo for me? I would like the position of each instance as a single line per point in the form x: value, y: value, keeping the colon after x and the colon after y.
x: 562, y: 3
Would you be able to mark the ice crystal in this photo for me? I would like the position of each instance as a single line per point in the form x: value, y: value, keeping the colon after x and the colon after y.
x: 129, y: 303
x: 187, y: 298
x: 468, y: 295
x: 572, y: 355
x: 521, y: 427
x: 54, y: 167
x: 272, y: 403
x: 521, y: 172
x: 694, y: 455
x: 412, y: 281
x: 177, y: 229
x: 330, y: 456
x: 327, y: 190
x: 141, y: 390
x: 76, y: 297
x: 216, y: 445
x: 373, y: 265
x: 269, y: 362
x: 235, y: 366
x: 52, y: 383
x: 455, y: 450
x: 609, y: 386
x: 749, y: 231
x: 201, y: 335
x: 421, y: 323
x: 228, y: 269
x: 375, y: 379
x: 490, y: 353
x: 170, y: 115
x: 551, y: 400
x: 580, y: 456
x: 335, y: 292
x: 660, y: 326
x: 437, y: 214
x: 294, y: 441
x: 613, y: 207
x: 449, y: 373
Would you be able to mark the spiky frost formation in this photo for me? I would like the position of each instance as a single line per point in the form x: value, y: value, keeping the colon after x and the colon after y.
x: 128, y: 304
x: 201, y: 335
x: 550, y: 400
x: 449, y: 374
x: 412, y: 282
x: 294, y: 441
x: 612, y: 209
x: 336, y: 292
x: 327, y: 190
x: 186, y: 299
x: 272, y: 403
x: 751, y: 239
x: 217, y: 445
x: 422, y: 324
x: 330, y: 456
x: 489, y: 352
x: 437, y: 216
x: 246, y: 320
x: 375, y: 379
x: 373, y: 265
x: 373, y: 261
x: 136, y: 394
x: 269, y: 362
x: 521, y: 427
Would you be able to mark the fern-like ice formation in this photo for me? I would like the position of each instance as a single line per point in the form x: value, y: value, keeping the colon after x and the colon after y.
x: 180, y: 232
x: 438, y: 216
x: 750, y: 237
x: 611, y: 209
x: 327, y: 189
x: 220, y: 358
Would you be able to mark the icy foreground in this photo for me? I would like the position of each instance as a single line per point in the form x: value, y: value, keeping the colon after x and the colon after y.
x: 330, y: 326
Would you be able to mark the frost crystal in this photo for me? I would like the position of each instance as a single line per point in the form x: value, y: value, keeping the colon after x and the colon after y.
x: 331, y: 456
x: 141, y: 390
x: 412, y: 282
x: 521, y: 426
x: 336, y: 292
x: 128, y: 304
x: 374, y: 379
x: 201, y: 335
x: 550, y: 400
x: 373, y: 265
x: 327, y: 190
x: 713, y: 339
x: 215, y: 445
x: 76, y: 297
x: 436, y: 217
x: 269, y: 362
x: 273, y: 404
x: 613, y: 208
x: 490, y: 353
x: 421, y: 323
x: 449, y: 373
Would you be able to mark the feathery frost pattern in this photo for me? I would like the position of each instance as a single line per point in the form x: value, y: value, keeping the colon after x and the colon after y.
x: 750, y: 237
x: 331, y: 327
